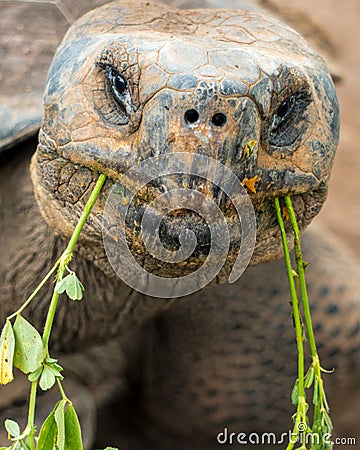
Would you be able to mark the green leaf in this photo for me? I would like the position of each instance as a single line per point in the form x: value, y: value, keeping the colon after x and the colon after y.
x: 12, y: 428
x: 73, y: 439
x: 48, y: 375
x: 48, y: 432
x: 309, y: 377
x: 72, y: 285
x: 29, y: 349
x: 49, y: 360
x: 60, y: 286
x: 33, y: 376
x: 55, y: 369
x: 295, y: 393
x: 325, y: 403
x: 53, y: 365
x: 7, y: 348
x: 60, y: 422
x: 316, y: 392
x: 47, y: 379
x: 75, y: 288
x: 328, y: 423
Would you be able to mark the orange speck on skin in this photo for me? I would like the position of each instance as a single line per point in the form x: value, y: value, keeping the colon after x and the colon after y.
x: 249, y: 183
x: 285, y: 213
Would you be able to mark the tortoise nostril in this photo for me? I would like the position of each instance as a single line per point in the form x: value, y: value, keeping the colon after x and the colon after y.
x: 191, y: 116
x: 219, y: 119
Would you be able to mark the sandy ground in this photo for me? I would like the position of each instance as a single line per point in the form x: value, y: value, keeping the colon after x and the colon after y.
x: 341, y: 21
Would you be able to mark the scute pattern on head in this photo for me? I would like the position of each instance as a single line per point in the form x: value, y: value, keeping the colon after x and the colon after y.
x: 260, y: 77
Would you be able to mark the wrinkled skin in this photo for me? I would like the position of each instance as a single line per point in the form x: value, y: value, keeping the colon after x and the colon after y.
x: 225, y: 354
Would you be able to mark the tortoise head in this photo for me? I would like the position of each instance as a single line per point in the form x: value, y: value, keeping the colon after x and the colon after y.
x: 133, y: 82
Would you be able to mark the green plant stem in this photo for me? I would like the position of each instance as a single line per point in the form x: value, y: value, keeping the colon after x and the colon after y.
x: 36, y: 291
x: 320, y: 408
x: 301, y: 272
x: 62, y: 392
x: 67, y: 255
x: 61, y: 263
x: 31, y: 413
x: 297, y: 320
x: 294, y: 299
x: 50, y: 319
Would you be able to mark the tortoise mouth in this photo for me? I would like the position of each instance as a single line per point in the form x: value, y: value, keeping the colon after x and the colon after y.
x: 175, y: 227
x: 62, y: 189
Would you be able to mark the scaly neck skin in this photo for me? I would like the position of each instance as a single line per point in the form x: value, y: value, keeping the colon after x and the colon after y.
x: 29, y: 249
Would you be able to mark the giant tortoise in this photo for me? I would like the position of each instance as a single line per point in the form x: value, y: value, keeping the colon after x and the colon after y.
x: 138, y: 80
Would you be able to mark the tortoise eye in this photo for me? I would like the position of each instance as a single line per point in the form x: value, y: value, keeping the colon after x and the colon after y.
x: 118, y: 84
x: 289, y: 120
x: 285, y: 107
x: 114, y: 102
x: 283, y: 111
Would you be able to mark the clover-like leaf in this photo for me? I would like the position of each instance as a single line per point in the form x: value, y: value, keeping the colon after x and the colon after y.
x: 71, y: 285
x: 29, y: 349
x: 58, y: 369
x: 49, y: 360
x: 33, y: 376
x: 49, y: 374
x: 54, y: 366
x: 7, y: 348
x: 60, y: 286
x: 12, y: 428
x: 47, y: 379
